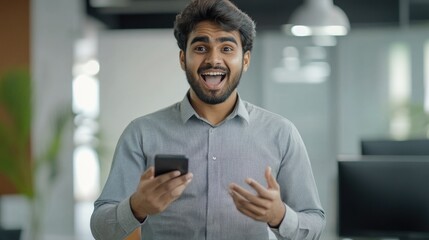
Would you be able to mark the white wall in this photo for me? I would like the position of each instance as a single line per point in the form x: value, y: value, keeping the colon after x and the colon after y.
x: 139, y: 73
x: 364, y: 108
x: 55, y: 26
x: 310, y: 107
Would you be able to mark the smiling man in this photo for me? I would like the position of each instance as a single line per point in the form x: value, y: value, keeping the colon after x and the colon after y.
x: 248, y: 168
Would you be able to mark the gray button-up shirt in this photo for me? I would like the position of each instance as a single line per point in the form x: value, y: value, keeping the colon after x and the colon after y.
x: 241, y: 146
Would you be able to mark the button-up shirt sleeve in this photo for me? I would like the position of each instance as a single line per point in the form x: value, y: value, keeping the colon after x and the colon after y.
x: 112, y: 217
x: 304, y: 217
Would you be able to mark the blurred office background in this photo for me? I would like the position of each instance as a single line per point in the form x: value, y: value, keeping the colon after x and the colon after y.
x: 112, y: 61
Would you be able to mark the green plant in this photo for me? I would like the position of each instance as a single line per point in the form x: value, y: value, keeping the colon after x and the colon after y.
x: 15, y: 131
x: 16, y: 161
x: 419, y: 126
x: 416, y: 116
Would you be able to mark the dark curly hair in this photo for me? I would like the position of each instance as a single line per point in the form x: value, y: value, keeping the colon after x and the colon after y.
x: 222, y: 12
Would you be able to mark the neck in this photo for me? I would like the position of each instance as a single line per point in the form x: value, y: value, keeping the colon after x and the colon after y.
x: 213, y: 113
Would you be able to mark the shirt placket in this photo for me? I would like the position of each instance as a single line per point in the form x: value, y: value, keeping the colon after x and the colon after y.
x: 213, y: 182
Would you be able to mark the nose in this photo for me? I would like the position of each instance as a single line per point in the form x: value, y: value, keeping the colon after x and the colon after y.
x: 213, y: 58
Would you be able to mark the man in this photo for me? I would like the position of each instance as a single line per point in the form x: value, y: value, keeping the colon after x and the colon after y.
x: 227, y: 194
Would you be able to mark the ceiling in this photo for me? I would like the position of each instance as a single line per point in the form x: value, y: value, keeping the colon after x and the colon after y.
x: 268, y: 14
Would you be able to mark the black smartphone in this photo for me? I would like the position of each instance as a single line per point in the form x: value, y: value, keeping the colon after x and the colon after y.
x: 165, y: 163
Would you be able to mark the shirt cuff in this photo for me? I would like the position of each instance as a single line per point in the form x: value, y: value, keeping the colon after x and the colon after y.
x: 289, y: 225
x: 126, y: 217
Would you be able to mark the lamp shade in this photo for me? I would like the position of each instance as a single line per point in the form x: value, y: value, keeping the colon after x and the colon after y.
x: 319, y: 17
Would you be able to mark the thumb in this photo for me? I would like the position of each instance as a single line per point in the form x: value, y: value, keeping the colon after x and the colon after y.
x: 271, y: 181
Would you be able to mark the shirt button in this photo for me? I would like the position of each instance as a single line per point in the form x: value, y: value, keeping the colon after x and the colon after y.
x: 214, y: 158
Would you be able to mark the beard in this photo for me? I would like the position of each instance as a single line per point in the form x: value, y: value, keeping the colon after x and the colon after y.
x: 213, y: 96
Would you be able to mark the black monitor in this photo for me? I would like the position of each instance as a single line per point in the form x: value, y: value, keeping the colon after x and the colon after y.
x: 10, y: 234
x: 384, y: 197
x: 395, y: 147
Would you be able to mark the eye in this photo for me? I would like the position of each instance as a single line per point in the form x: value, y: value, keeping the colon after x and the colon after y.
x: 228, y: 49
x: 200, y: 49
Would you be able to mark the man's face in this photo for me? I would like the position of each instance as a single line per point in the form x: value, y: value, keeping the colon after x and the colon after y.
x: 213, y: 62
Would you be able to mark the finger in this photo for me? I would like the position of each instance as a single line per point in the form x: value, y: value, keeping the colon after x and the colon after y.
x: 161, y: 179
x: 261, y: 202
x: 148, y: 174
x: 146, y: 180
x: 152, y: 187
x: 260, y: 190
x: 271, y: 181
x: 243, y: 192
x: 248, y: 208
x: 173, y: 194
x: 174, y: 188
x: 166, y: 195
x: 250, y: 214
x: 174, y: 182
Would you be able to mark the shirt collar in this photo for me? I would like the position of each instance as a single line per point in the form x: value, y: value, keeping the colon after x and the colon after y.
x: 187, y: 111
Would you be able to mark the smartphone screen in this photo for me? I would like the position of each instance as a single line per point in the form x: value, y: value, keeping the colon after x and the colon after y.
x: 165, y: 163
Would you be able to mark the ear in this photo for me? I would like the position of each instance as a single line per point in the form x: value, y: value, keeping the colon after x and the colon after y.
x: 246, y: 60
x: 182, y: 60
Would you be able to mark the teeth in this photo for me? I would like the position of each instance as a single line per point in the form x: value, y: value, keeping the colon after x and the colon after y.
x: 213, y: 74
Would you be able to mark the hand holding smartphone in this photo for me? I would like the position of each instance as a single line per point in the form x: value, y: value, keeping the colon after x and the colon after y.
x: 165, y: 163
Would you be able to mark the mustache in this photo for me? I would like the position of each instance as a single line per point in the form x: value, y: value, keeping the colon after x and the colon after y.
x: 210, y: 67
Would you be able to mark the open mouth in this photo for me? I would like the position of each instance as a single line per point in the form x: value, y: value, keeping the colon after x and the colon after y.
x: 213, y: 79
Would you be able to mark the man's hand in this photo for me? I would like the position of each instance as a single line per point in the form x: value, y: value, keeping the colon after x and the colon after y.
x: 154, y: 194
x: 266, y: 206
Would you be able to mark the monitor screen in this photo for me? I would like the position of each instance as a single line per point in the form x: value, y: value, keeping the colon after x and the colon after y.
x: 384, y: 197
x: 394, y: 147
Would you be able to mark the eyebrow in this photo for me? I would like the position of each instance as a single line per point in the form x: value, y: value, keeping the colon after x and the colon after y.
x: 205, y: 39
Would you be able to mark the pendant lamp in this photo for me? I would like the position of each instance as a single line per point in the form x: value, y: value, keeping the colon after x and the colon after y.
x: 318, y: 17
